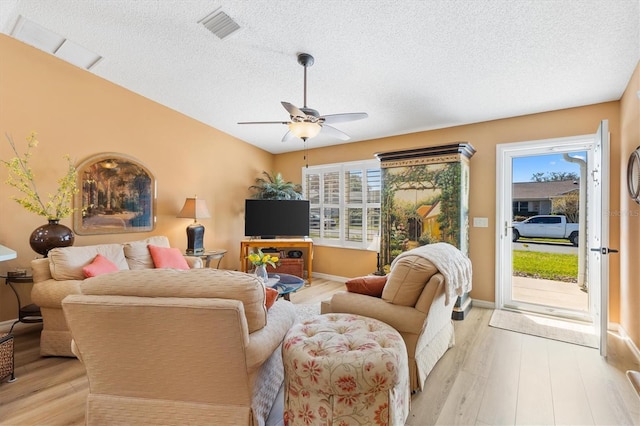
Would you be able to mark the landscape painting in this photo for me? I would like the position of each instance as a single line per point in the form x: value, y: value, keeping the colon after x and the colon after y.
x: 116, y: 195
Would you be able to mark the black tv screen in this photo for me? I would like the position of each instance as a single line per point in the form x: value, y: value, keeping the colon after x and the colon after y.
x: 276, y: 218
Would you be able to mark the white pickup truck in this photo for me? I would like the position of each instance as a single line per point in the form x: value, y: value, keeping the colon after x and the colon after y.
x: 546, y: 226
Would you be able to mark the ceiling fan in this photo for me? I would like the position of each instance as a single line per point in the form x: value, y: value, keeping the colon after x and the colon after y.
x: 306, y: 122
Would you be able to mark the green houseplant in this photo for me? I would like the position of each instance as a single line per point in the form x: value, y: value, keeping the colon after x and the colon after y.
x: 273, y: 187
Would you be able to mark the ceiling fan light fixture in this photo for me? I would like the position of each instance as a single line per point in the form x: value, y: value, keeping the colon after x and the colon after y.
x: 305, y: 129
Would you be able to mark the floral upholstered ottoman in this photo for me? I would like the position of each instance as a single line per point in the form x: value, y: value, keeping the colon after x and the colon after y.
x: 344, y: 369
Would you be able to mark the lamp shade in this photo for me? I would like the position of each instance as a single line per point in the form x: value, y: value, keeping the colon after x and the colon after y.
x: 194, y: 208
x: 6, y: 253
x: 374, y: 245
x: 304, y: 129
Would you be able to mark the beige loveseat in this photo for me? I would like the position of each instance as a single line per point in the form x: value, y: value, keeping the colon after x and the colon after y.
x: 60, y: 275
x: 415, y: 301
x: 180, y: 347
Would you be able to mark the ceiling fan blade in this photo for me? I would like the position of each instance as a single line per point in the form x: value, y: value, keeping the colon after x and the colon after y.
x: 333, y: 132
x: 289, y: 137
x: 343, y: 118
x: 263, y: 122
x: 293, y: 110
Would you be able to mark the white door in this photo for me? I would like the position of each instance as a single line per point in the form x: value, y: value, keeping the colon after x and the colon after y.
x: 596, y: 147
x: 598, y: 234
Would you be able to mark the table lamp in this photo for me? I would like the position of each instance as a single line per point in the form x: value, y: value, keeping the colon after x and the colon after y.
x: 195, y: 209
x: 375, y: 245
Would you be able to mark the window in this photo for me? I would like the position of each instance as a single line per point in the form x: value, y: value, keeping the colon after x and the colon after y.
x: 344, y: 203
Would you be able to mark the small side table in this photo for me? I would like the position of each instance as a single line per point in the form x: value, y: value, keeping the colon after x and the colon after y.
x: 27, y: 314
x: 209, y: 255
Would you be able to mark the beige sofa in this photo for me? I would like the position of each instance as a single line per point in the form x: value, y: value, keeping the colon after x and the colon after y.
x: 60, y: 275
x: 415, y: 302
x: 178, y: 347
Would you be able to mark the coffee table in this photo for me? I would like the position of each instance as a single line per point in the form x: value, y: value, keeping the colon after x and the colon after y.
x: 285, y: 284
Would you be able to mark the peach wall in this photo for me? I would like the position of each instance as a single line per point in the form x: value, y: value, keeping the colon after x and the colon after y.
x: 630, y: 214
x: 484, y: 137
x: 77, y: 113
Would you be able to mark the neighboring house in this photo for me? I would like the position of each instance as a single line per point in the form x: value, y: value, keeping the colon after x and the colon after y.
x: 533, y: 198
x: 430, y: 223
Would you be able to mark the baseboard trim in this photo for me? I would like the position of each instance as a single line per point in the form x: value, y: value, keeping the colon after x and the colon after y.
x: 330, y: 277
x: 477, y: 303
x: 632, y: 346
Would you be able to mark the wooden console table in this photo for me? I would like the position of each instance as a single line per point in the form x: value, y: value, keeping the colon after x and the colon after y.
x: 246, y: 245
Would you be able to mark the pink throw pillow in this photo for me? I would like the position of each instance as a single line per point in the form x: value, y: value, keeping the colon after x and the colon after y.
x: 371, y: 285
x: 272, y: 296
x: 100, y: 265
x: 167, y: 257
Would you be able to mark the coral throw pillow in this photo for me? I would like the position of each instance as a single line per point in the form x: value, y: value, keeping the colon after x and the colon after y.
x: 272, y: 296
x: 100, y: 265
x: 167, y: 257
x: 371, y: 285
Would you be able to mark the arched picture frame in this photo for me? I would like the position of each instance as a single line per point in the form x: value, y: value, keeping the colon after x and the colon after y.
x: 633, y: 175
x: 117, y: 194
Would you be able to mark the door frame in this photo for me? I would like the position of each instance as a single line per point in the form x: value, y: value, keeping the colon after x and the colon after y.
x: 504, y: 213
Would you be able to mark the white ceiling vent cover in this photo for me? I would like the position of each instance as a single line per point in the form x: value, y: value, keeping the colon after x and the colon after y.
x: 220, y: 24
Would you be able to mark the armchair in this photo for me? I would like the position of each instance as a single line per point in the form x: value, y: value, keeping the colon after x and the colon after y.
x: 178, y: 347
x: 416, y: 301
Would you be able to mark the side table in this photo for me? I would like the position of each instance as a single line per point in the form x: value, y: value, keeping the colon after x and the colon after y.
x: 27, y: 314
x: 209, y: 255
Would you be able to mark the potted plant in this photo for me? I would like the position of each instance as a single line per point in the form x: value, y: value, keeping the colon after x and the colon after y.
x: 274, y: 187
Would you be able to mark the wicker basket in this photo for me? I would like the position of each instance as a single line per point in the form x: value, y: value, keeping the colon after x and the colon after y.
x: 6, y: 357
x: 288, y: 266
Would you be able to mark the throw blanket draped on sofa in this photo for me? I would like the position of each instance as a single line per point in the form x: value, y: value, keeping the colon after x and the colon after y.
x: 451, y: 262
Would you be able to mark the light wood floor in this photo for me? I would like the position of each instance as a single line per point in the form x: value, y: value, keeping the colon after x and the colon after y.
x: 490, y: 377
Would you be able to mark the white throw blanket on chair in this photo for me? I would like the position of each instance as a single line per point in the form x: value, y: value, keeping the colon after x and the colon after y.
x: 451, y: 262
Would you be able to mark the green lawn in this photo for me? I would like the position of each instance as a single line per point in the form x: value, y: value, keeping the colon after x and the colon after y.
x: 549, y: 266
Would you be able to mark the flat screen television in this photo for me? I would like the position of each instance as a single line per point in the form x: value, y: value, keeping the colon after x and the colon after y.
x: 276, y: 218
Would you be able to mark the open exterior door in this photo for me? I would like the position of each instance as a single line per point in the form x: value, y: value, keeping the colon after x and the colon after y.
x: 598, y: 235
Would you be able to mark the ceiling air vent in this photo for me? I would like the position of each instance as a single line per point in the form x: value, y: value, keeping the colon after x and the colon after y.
x: 220, y: 24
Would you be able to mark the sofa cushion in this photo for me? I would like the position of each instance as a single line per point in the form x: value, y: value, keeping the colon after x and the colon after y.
x: 167, y: 257
x: 371, y: 285
x: 271, y: 297
x: 407, y: 279
x: 205, y: 282
x: 137, y: 252
x: 66, y: 263
x: 100, y: 265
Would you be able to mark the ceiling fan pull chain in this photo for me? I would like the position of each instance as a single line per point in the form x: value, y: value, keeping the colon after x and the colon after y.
x: 306, y: 161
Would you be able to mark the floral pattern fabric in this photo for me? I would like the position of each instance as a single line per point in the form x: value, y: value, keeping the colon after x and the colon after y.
x: 343, y: 369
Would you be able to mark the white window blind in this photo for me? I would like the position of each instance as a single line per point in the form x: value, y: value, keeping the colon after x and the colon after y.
x: 344, y: 203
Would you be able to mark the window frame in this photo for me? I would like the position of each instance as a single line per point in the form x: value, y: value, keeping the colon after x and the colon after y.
x: 342, y: 168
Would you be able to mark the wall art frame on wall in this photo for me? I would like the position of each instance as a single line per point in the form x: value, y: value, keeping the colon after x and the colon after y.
x: 633, y: 175
x: 117, y: 194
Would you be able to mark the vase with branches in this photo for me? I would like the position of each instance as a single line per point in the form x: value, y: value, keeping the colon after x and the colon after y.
x: 56, y: 207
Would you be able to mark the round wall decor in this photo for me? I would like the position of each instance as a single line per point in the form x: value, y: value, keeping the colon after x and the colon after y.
x: 633, y: 175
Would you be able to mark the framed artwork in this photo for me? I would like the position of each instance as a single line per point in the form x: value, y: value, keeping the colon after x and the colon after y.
x: 633, y: 175
x: 117, y: 194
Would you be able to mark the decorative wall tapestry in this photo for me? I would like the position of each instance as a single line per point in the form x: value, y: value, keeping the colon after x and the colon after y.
x: 117, y: 194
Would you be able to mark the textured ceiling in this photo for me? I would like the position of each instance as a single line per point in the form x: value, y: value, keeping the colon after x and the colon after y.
x: 411, y: 65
